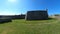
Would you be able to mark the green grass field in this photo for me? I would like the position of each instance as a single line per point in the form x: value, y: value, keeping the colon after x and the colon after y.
x: 20, y: 26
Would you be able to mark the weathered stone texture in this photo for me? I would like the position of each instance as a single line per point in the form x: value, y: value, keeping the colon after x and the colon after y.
x: 36, y: 15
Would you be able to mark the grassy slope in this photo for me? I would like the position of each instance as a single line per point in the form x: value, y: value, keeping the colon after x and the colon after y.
x: 31, y: 27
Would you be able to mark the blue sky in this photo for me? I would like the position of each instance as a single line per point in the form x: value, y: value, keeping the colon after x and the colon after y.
x: 15, y: 7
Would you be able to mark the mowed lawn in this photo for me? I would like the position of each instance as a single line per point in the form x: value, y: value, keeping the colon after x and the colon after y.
x: 21, y: 26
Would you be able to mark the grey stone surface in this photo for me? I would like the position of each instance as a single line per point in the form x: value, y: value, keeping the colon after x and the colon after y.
x: 36, y: 15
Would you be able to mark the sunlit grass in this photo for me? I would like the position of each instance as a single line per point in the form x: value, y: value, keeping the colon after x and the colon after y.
x: 21, y: 26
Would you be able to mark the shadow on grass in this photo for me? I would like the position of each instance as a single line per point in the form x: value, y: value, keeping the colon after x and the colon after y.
x: 51, y: 19
x: 42, y: 19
